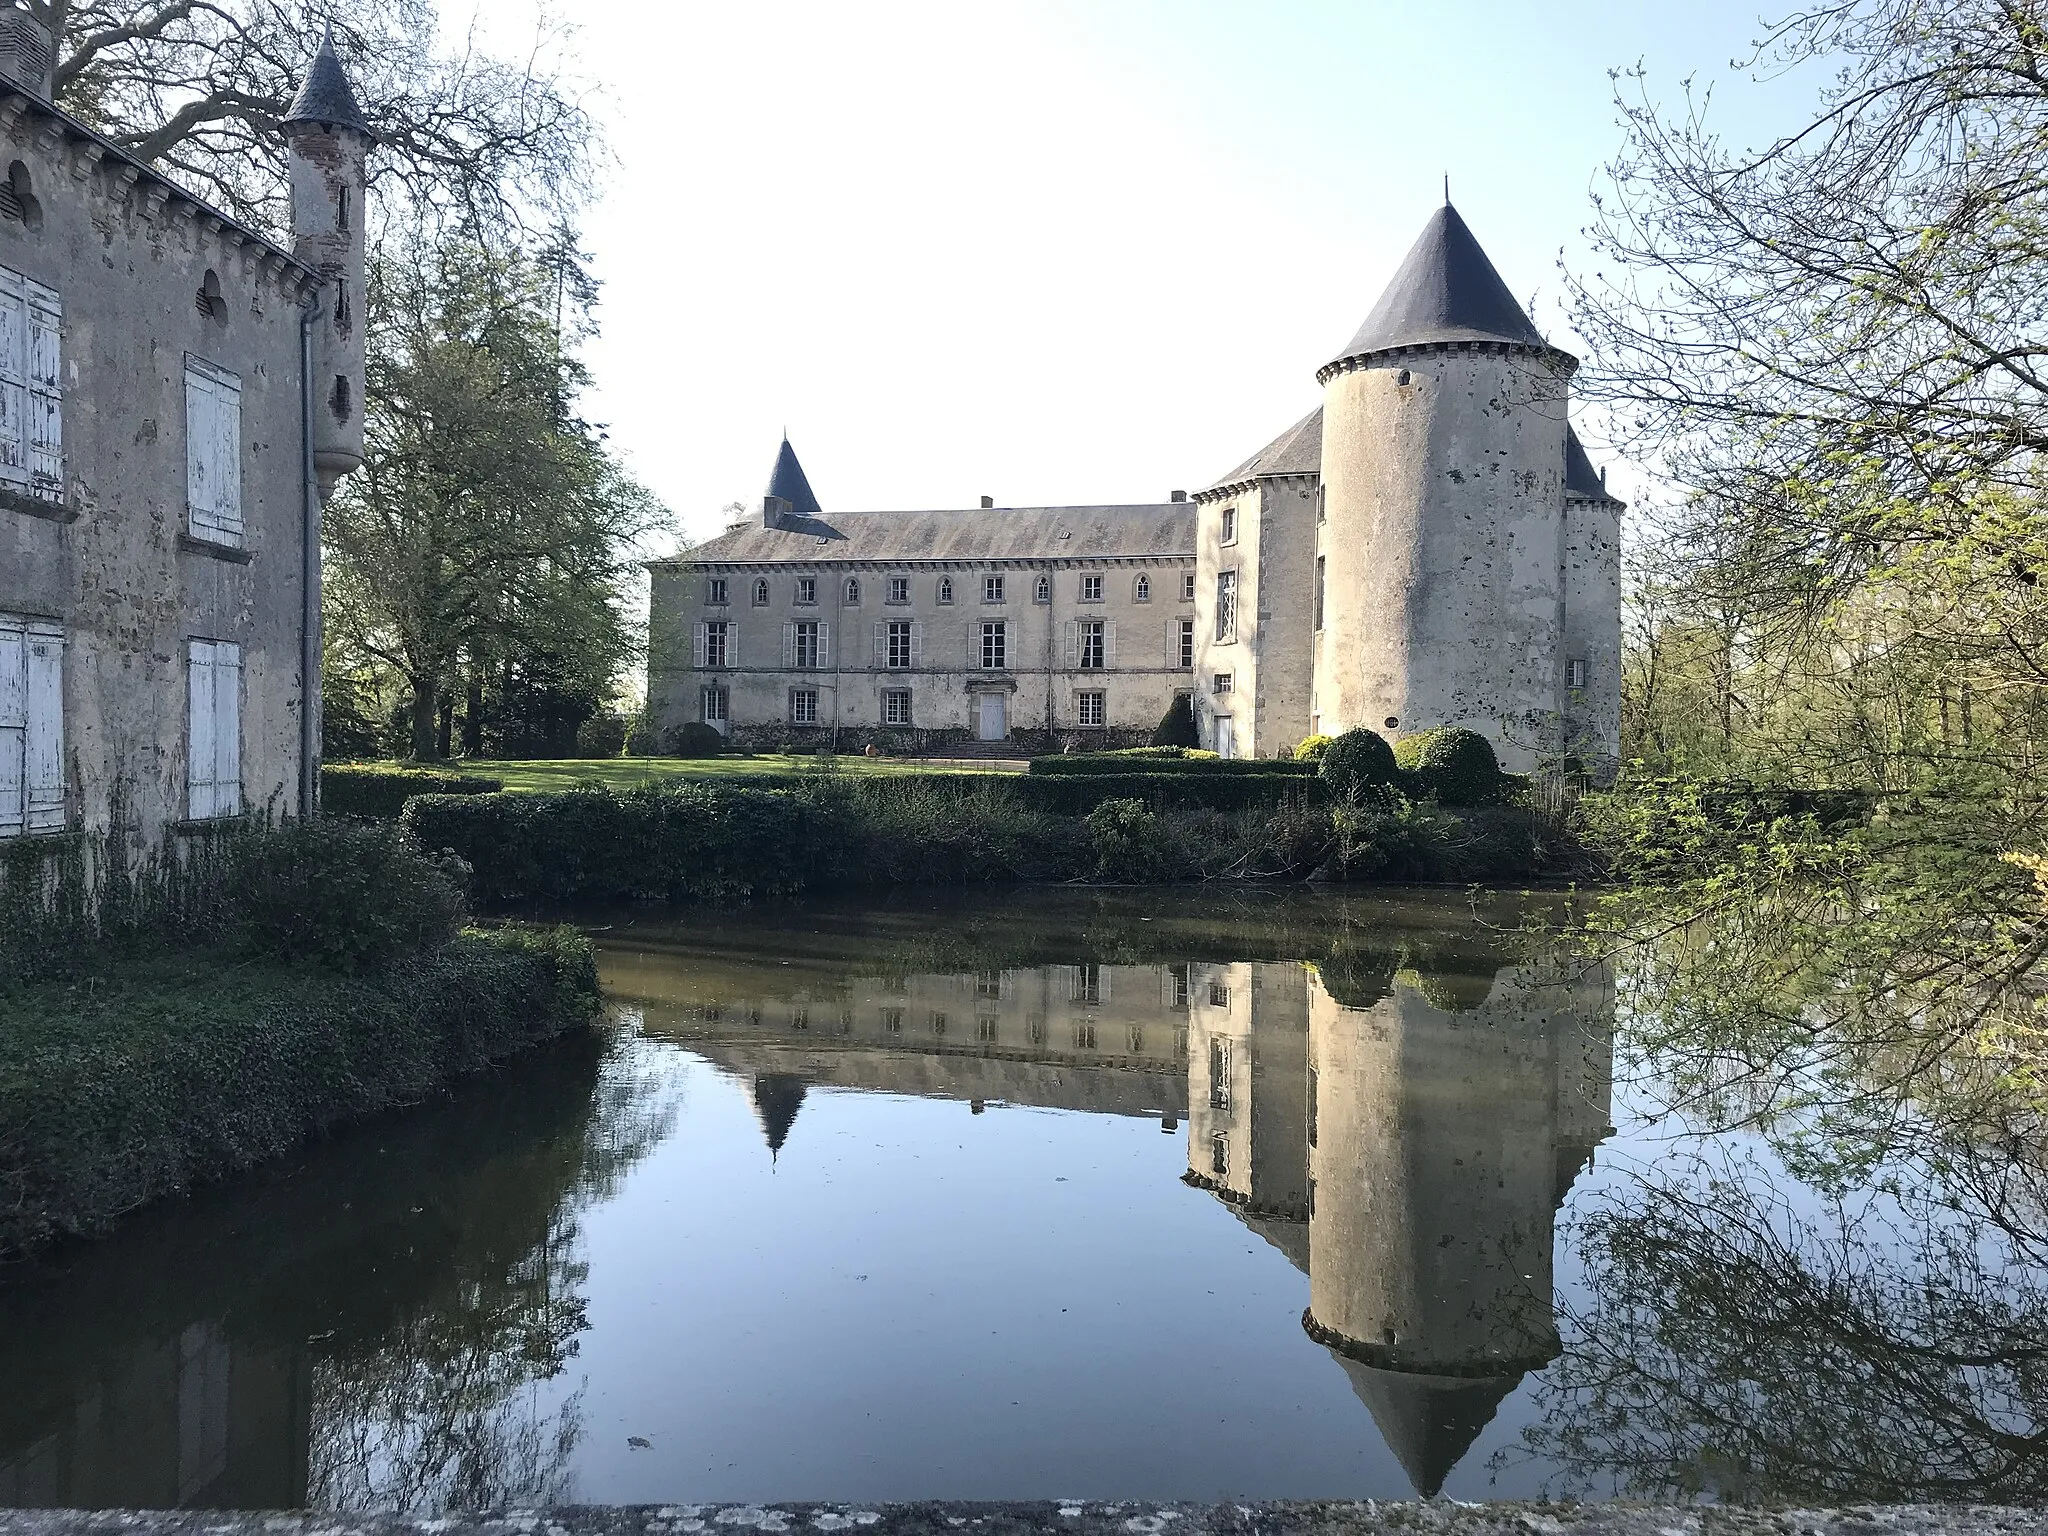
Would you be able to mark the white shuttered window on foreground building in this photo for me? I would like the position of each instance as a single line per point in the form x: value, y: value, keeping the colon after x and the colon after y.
x: 213, y: 762
x: 31, y: 388
x: 213, y: 452
x: 31, y: 727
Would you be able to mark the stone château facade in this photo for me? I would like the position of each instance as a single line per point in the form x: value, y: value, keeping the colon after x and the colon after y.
x: 177, y: 394
x: 1429, y: 547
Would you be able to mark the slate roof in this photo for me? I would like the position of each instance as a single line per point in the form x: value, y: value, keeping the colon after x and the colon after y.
x: 325, y: 96
x: 974, y: 533
x: 1297, y: 451
x: 1580, y: 477
x: 1445, y: 290
x: 790, y: 483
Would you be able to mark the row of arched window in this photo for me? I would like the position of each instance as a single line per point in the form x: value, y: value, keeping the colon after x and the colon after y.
x: 1089, y: 589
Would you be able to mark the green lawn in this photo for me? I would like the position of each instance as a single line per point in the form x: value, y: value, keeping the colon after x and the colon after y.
x: 625, y: 772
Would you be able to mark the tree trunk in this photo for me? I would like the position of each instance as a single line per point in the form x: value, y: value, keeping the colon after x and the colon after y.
x: 473, y: 716
x: 426, y: 701
x: 445, y: 734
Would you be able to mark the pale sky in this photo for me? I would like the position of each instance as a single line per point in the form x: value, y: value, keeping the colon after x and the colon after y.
x: 1068, y: 251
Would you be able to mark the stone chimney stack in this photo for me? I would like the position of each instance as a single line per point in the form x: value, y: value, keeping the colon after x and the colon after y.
x: 28, y: 54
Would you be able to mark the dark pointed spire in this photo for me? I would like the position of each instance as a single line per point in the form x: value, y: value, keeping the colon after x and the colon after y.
x: 789, y: 484
x: 1446, y: 290
x: 325, y: 96
x: 1428, y: 1422
x: 777, y: 1098
x: 1580, y: 477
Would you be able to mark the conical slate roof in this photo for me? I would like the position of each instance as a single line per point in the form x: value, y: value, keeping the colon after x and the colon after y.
x: 325, y: 96
x: 1446, y: 290
x: 1428, y: 1422
x: 777, y: 1098
x: 1297, y: 451
x: 1580, y: 477
x: 789, y: 484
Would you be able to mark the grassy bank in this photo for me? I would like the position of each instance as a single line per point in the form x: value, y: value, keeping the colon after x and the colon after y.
x: 544, y: 774
x: 176, y: 1068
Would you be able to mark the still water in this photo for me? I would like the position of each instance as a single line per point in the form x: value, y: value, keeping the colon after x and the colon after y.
x: 1060, y: 1194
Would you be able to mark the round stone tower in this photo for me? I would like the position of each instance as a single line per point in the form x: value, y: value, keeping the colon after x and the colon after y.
x: 1443, y: 483
x: 329, y: 154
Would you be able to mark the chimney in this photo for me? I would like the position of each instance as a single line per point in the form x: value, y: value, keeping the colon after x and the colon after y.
x: 988, y: 501
x: 25, y: 50
x: 1179, y: 496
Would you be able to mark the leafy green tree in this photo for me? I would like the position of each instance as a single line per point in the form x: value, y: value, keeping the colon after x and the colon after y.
x: 490, y: 527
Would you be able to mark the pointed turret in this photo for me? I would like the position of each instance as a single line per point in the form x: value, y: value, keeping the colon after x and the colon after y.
x: 325, y: 95
x: 1428, y: 1422
x: 791, y: 485
x: 1445, y: 291
x: 777, y: 1098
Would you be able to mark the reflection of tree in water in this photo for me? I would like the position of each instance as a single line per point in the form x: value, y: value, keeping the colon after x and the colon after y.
x: 430, y: 1409
x: 1730, y: 1342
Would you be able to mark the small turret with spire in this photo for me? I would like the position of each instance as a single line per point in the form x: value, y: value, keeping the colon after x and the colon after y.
x: 330, y: 142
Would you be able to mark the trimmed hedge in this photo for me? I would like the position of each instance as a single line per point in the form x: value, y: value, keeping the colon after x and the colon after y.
x: 185, y: 1067
x: 1086, y: 763
x: 1453, y: 766
x: 380, y: 790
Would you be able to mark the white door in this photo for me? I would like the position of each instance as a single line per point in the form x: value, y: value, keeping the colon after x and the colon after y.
x: 1226, y: 737
x: 994, y: 723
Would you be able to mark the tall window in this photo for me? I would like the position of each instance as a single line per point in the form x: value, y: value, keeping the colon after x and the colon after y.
x: 898, y: 643
x: 895, y: 706
x: 760, y: 591
x: 995, y: 646
x: 991, y: 589
x: 806, y: 644
x: 213, y: 452
x: 1092, y: 644
x: 714, y: 644
x: 1088, y: 984
x: 213, y: 729
x: 899, y: 589
x: 853, y: 589
x: 31, y: 726
x: 1141, y: 589
x: 807, y: 589
x: 31, y: 388
x: 715, y: 590
x: 1230, y: 525
x: 1219, y: 995
x: 803, y: 706
x: 1091, y: 589
x: 1093, y: 707
x: 1226, y: 606
x: 1219, y: 1073
x: 1186, y: 641
x: 716, y: 703
x: 1041, y: 590
x: 945, y: 589
x: 1187, y: 586
x: 1319, y: 592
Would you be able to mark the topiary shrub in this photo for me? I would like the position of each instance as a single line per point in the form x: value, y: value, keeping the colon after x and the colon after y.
x: 602, y: 735
x: 1310, y: 749
x: 345, y: 896
x: 1176, y: 727
x: 1357, y: 765
x: 696, y: 739
x: 1452, y: 766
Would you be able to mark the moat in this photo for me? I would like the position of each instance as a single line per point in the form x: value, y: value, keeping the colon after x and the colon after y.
x: 1067, y: 1194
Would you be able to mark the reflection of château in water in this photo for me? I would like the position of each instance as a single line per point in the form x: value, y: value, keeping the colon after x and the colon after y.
x: 1407, y: 1142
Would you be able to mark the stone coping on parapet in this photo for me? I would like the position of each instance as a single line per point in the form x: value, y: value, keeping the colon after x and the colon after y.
x: 1077, y: 1517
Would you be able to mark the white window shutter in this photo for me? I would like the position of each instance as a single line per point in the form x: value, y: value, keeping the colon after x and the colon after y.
x: 213, y: 451
x: 44, y: 745
x: 201, y: 436
x: 916, y: 643
x: 227, y: 425
x: 697, y: 645
x: 788, y: 646
x: 1173, y: 642
x: 13, y: 726
x: 1073, y: 643
x: 881, y: 657
x: 13, y: 379
x: 45, y: 392
x: 199, y: 748
x: 227, y: 729
x: 1108, y: 643
x: 732, y: 644
x: 824, y: 643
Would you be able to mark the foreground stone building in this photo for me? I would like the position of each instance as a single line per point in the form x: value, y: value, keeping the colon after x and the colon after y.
x: 177, y: 394
x: 1429, y: 547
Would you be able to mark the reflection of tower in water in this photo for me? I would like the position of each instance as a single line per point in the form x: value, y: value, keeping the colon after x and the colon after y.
x: 1448, y: 1118
x: 1407, y: 1141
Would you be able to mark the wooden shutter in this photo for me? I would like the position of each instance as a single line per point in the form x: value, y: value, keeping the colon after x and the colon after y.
x: 13, y: 725
x: 44, y: 744
x: 45, y: 392
x: 1073, y: 642
x: 199, y: 749
x: 213, y: 450
x: 788, y: 646
x: 697, y: 645
x: 881, y: 655
x: 916, y: 643
x: 824, y: 643
x: 1108, y: 643
x: 227, y: 729
x: 732, y: 644
x: 13, y: 379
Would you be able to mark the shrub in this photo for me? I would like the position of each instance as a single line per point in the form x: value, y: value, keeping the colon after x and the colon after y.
x: 1452, y: 766
x: 1421, y: 843
x: 602, y: 735
x: 695, y: 739
x: 381, y: 789
x: 1357, y: 764
x: 1310, y: 749
x: 1176, y: 727
x: 642, y: 740
x: 1127, y: 839
x: 343, y: 896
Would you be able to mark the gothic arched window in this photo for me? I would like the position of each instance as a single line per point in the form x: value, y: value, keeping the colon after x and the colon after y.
x: 853, y: 589
x: 761, y: 592
x: 945, y: 589
x: 1041, y: 590
x: 1141, y: 589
